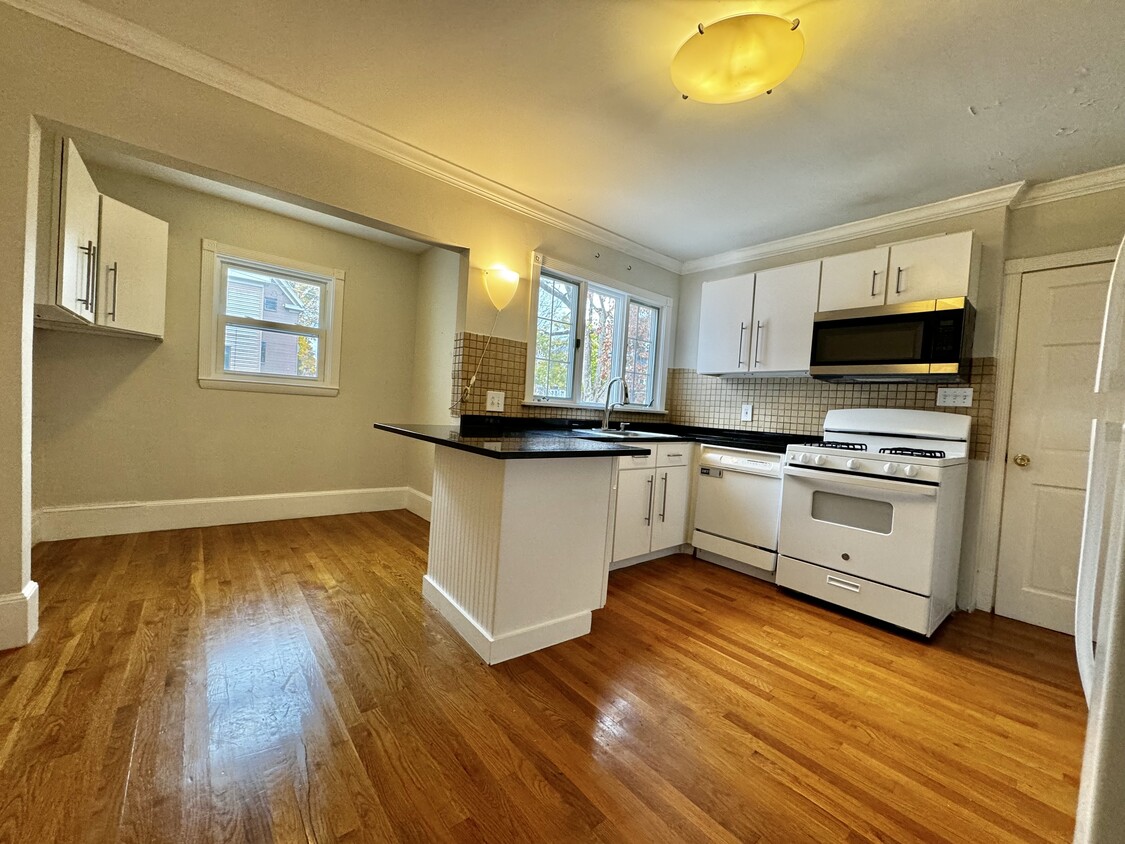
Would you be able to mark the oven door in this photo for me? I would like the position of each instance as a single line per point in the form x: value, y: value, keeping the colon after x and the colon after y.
x: 875, y: 528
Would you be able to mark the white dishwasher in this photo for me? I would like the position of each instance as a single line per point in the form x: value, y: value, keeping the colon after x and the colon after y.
x: 738, y: 496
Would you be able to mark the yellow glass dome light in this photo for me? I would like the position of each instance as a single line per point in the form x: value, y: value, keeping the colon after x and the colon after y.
x: 737, y: 58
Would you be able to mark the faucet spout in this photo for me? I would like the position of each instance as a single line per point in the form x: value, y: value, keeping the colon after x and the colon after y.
x: 609, y: 406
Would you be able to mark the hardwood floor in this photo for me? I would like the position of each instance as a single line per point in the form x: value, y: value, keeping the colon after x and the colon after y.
x: 284, y: 681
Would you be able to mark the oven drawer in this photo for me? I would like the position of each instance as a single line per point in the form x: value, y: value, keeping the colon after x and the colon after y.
x: 903, y: 609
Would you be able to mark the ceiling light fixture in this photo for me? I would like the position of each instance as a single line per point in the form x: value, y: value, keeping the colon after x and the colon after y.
x: 738, y: 58
x: 501, y: 284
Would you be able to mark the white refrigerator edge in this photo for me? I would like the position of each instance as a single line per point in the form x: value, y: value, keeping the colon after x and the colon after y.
x: 1100, y: 605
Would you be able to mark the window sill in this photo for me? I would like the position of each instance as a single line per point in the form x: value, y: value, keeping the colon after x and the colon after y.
x: 600, y: 408
x: 259, y: 386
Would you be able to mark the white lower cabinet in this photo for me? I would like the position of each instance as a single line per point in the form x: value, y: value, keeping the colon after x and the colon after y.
x: 652, y: 503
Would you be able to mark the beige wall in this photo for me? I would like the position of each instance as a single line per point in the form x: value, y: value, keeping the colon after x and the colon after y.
x: 439, y: 280
x: 125, y: 419
x: 1068, y: 225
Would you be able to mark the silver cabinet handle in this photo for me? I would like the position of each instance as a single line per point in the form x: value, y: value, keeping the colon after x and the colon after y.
x: 874, y: 275
x: 664, y: 497
x: 842, y: 584
x: 741, y: 334
x: 898, y: 280
x: 651, y: 489
x: 758, y: 345
x: 86, y: 252
x: 93, y: 276
x: 113, y: 307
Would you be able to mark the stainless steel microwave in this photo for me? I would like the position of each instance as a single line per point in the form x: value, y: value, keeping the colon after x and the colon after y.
x: 931, y: 340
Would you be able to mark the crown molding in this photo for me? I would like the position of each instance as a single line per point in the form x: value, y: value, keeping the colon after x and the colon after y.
x: 1073, y: 186
x: 999, y: 197
x: 114, y: 31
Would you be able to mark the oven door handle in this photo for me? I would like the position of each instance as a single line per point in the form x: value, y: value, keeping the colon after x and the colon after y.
x: 901, y: 487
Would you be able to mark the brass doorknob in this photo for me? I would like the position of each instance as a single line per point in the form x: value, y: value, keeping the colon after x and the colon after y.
x: 1021, y: 460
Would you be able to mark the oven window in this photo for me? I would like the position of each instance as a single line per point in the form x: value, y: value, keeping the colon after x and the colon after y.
x: 853, y: 512
x: 899, y: 341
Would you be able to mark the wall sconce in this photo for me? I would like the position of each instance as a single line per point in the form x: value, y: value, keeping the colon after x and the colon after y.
x: 501, y: 284
x: 737, y: 58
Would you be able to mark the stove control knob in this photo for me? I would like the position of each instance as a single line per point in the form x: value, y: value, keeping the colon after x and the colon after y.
x: 820, y: 460
x: 890, y: 468
x: 852, y: 463
x: 910, y: 471
x: 802, y: 458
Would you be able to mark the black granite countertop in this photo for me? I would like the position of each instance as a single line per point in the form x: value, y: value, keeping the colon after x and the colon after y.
x: 525, y: 444
x: 756, y: 440
x: 507, y: 437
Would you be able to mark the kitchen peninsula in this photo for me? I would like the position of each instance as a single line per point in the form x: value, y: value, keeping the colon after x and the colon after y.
x: 517, y: 558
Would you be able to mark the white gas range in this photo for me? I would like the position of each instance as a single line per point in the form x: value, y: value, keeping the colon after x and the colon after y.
x: 871, y: 517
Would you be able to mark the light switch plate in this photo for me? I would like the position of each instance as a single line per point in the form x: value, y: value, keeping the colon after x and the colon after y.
x: 955, y: 397
x: 494, y: 400
x: 747, y: 413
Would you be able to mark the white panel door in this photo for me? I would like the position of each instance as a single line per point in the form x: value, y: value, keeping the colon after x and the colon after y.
x: 726, y: 308
x: 133, y: 264
x: 784, y: 305
x: 1059, y: 331
x: 934, y: 268
x: 670, y: 507
x: 856, y: 280
x: 78, y: 236
x: 632, y: 531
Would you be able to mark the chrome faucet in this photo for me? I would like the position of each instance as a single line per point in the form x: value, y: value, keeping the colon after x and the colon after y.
x: 609, y: 393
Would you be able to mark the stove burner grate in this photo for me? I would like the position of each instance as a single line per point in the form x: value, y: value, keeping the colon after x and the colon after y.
x: 913, y: 452
x: 840, y: 446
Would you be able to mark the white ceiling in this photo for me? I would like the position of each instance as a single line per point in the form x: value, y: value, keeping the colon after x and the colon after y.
x: 897, y: 102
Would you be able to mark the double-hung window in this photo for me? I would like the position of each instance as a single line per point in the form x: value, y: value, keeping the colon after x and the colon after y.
x: 268, y: 324
x: 589, y: 330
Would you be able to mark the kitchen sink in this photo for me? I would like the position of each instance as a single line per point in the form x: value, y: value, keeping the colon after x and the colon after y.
x: 616, y: 434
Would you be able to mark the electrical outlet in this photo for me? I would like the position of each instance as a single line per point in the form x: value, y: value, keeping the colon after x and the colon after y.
x: 494, y: 400
x: 747, y: 413
x: 955, y: 397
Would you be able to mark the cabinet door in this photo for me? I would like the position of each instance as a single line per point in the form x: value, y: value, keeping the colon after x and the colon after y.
x: 78, y: 236
x: 670, y: 507
x: 725, y: 310
x: 784, y: 304
x: 133, y: 266
x: 632, y: 528
x: 934, y: 268
x: 856, y: 280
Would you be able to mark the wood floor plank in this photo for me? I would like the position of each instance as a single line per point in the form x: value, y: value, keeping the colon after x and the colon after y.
x: 285, y: 681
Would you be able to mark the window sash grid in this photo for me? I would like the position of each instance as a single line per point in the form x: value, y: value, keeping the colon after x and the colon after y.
x: 283, y: 327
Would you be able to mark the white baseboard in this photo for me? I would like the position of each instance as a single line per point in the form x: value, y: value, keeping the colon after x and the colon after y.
x: 508, y: 645
x: 19, y: 616
x: 52, y: 523
x: 419, y: 503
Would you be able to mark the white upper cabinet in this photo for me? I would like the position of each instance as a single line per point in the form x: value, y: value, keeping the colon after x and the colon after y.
x: 133, y: 264
x: 110, y: 267
x: 935, y: 268
x: 784, y: 303
x: 726, y: 311
x: 943, y: 267
x: 76, y: 288
x: 855, y: 280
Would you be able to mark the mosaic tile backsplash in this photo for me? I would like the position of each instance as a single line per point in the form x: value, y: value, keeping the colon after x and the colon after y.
x: 781, y: 405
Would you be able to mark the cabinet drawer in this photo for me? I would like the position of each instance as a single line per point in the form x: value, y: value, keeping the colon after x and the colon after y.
x: 904, y: 609
x: 646, y: 461
x: 674, y: 454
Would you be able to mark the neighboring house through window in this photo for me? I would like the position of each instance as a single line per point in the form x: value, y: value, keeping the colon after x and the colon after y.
x: 268, y: 323
x: 588, y: 330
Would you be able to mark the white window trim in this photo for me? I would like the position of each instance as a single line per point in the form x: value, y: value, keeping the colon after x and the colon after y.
x: 211, y: 373
x: 584, y: 278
